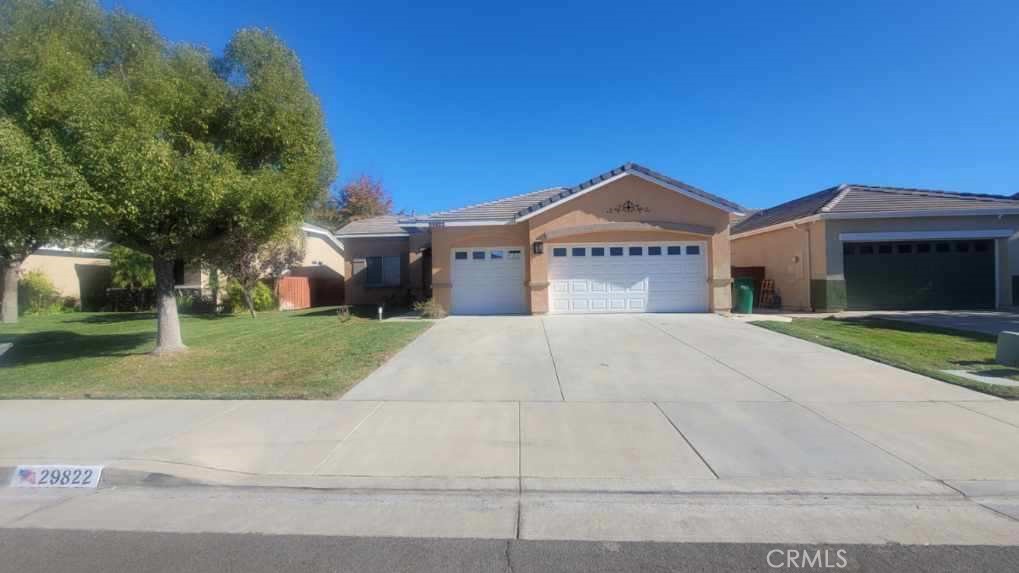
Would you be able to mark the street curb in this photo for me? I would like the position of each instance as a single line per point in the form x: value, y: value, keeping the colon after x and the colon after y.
x: 139, y: 473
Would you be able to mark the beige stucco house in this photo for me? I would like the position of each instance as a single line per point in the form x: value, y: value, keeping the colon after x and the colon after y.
x: 81, y: 273
x: 629, y: 240
x: 862, y: 247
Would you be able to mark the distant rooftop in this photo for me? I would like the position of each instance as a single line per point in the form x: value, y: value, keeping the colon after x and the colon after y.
x: 376, y: 226
x: 869, y: 199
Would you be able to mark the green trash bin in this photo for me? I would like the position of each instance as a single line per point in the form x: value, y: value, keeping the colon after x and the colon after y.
x: 743, y: 296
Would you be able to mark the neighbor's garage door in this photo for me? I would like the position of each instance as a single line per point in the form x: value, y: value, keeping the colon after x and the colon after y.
x: 628, y: 277
x: 925, y: 275
x: 488, y: 280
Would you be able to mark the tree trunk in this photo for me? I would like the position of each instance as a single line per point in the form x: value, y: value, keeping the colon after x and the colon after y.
x: 248, y: 300
x: 168, y: 339
x: 9, y: 313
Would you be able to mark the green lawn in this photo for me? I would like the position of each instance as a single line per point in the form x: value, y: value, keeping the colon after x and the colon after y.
x: 921, y: 349
x: 303, y: 354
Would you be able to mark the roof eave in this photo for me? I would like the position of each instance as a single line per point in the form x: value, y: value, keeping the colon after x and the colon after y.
x: 882, y: 215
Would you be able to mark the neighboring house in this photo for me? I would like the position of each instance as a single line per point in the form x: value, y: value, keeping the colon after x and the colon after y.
x: 860, y: 247
x: 321, y: 272
x: 317, y: 281
x: 81, y: 273
x: 629, y: 240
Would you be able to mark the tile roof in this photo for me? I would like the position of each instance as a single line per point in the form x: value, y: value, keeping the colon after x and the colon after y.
x: 848, y: 200
x: 497, y: 210
x: 631, y: 168
x: 381, y: 225
x: 512, y: 208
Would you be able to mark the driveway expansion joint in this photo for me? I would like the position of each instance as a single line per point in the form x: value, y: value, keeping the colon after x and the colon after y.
x: 551, y: 355
x: 685, y: 439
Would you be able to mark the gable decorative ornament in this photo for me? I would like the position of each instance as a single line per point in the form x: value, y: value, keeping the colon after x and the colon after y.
x: 629, y: 207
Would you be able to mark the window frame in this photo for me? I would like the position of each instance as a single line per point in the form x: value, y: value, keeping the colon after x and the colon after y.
x: 382, y: 279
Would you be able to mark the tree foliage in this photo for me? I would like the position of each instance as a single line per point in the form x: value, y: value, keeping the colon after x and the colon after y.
x: 249, y: 259
x: 131, y: 269
x: 359, y: 199
x: 177, y: 148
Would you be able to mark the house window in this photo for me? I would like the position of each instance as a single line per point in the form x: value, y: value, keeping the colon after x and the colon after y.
x: 597, y: 251
x: 675, y: 250
x: 884, y: 249
x: 982, y: 246
x: 651, y: 251
x: 942, y: 247
x: 866, y: 249
x: 514, y: 254
x: 495, y: 255
x: 478, y: 255
x: 382, y: 271
x: 904, y: 249
x: 636, y: 251
x: 579, y: 252
x: 616, y: 251
x: 848, y: 249
x: 461, y: 255
x: 693, y: 250
x: 559, y: 252
x: 923, y: 248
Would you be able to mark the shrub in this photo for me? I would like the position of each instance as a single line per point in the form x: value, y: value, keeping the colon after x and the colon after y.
x: 430, y: 309
x: 261, y: 297
x: 192, y: 302
x: 37, y: 295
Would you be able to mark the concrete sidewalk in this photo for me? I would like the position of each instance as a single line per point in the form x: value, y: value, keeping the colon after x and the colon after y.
x: 530, y: 446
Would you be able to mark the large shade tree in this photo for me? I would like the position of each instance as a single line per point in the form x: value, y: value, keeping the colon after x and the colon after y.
x: 42, y: 201
x: 177, y: 146
x: 43, y: 198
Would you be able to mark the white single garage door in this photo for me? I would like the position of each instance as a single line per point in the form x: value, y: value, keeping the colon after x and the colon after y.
x: 629, y: 277
x: 488, y: 280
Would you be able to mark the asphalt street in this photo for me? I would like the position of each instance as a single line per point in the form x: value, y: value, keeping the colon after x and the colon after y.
x: 56, y: 551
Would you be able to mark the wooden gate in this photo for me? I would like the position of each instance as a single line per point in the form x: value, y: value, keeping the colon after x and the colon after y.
x: 294, y: 293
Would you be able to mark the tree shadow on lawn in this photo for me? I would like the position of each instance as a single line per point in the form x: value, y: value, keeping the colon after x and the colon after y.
x: 113, y: 317
x: 903, y: 326
x: 119, y: 317
x: 60, y: 345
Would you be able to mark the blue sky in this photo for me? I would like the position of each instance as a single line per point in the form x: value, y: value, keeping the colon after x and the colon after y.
x: 455, y: 103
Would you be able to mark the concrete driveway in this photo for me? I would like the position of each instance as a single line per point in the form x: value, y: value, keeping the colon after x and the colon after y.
x: 649, y: 358
x: 601, y: 401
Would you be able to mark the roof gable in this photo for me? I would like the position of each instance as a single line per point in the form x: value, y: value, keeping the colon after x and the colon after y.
x: 522, y: 207
x: 622, y: 171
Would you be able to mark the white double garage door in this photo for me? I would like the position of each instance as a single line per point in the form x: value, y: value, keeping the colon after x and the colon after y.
x: 586, y: 278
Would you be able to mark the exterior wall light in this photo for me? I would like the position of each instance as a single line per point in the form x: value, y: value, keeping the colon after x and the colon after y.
x: 538, y: 247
